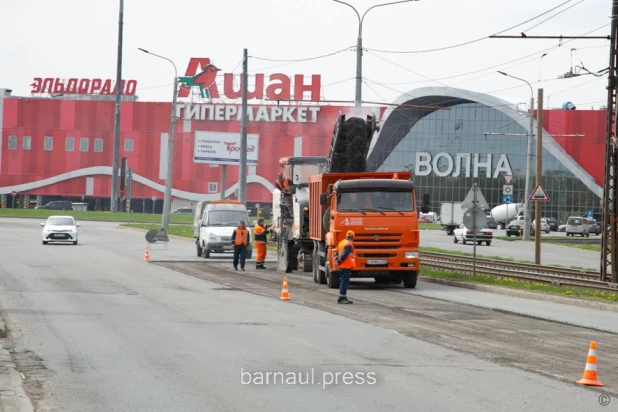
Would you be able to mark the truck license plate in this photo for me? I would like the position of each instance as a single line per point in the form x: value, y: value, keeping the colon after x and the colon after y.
x: 376, y: 262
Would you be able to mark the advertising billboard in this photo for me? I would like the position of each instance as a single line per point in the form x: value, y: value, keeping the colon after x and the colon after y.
x: 223, y: 148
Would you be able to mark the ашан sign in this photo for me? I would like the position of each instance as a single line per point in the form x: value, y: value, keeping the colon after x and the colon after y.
x: 277, y: 86
x: 82, y: 86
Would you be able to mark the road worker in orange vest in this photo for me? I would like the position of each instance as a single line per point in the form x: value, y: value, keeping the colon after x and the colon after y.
x: 283, y: 184
x: 260, y: 243
x: 240, y: 239
x: 346, y: 261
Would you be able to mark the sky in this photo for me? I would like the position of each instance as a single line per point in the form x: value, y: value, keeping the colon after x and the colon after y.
x: 79, y: 39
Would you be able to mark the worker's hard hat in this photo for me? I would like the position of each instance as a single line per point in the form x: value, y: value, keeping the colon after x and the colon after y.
x: 349, y: 234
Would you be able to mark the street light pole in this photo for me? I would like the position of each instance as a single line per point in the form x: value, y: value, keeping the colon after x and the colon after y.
x: 167, y: 199
x: 359, y: 50
x: 528, y: 184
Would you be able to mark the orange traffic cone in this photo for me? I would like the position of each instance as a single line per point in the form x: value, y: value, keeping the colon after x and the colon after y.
x: 285, y: 295
x: 147, y: 255
x: 590, y: 377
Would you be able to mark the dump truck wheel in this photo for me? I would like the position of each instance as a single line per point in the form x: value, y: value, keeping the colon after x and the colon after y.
x: 332, y: 278
x: 409, y: 279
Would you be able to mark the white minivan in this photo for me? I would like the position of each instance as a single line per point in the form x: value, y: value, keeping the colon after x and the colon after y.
x: 217, y: 225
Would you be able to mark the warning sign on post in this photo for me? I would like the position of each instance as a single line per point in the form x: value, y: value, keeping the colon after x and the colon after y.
x: 539, y: 194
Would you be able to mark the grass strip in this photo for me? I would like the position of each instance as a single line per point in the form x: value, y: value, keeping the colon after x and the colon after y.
x: 94, y: 216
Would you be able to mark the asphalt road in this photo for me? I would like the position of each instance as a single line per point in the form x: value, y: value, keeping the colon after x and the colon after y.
x: 551, y: 254
x: 95, y: 328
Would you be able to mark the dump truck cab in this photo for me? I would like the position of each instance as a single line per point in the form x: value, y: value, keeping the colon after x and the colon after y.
x: 380, y: 208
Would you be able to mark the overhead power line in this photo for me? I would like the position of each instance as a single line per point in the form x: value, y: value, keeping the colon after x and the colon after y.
x: 304, y: 59
x: 475, y: 40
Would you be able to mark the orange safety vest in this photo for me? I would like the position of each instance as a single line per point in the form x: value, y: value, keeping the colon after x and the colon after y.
x: 350, y: 260
x: 260, y: 234
x: 241, y: 237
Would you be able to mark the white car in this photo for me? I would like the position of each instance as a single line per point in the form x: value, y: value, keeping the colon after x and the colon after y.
x: 462, y: 233
x: 60, y: 229
x: 544, y: 225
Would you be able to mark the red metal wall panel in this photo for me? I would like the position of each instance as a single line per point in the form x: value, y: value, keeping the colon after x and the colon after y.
x: 587, y: 150
x: 144, y: 122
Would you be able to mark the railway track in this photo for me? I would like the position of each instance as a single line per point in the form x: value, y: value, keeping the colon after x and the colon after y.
x: 526, y: 272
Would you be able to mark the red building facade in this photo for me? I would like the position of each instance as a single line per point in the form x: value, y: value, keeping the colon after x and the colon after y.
x: 54, y: 147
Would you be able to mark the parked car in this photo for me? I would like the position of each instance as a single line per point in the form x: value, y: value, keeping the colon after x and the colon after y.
x: 562, y: 228
x: 60, y: 229
x: 465, y: 235
x: 183, y: 211
x: 544, y: 225
x: 553, y: 224
x: 516, y: 228
x: 578, y: 226
x: 57, y: 205
x: 594, y: 226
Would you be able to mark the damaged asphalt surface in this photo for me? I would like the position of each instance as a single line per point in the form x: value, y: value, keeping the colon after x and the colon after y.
x: 95, y: 328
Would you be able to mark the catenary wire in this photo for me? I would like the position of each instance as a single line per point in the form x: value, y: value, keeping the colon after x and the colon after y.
x: 471, y: 41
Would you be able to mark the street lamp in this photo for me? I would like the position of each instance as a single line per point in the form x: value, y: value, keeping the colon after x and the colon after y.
x: 167, y: 199
x: 528, y: 160
x: 359, y: 49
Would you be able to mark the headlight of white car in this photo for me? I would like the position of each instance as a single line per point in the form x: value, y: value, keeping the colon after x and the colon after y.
x: 411, y: 255
x: 214, y: 237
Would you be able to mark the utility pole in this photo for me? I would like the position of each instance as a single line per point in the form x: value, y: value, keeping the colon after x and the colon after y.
x: 223, y: 180
x: 116, y: 154
x: 539, y: 173
x: 609, y: 251
x: 242, y: 172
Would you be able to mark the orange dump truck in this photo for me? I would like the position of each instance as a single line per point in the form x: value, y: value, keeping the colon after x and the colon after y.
x: 380, y: 207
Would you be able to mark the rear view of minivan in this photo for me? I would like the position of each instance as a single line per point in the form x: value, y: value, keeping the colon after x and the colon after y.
x: 577, y: 226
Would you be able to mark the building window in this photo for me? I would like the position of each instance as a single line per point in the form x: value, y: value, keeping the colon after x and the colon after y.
x: 128, y: 145
x: 83, y: 144
x: 213, y: 187
x: 98, y: 144
x: 48, y: 143
x: 26, y: 143
x: 12, y: 142
x: 69, y: 144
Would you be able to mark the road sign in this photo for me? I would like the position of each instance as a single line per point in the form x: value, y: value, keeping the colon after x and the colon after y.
x: 507, y: 189
x: 154, y: 198
x: 539, y: 194
x: 469, y: 219
x: 480, y: 200
x: 507, y: 199
x: 589, y: 213
x: 13, y: 193
x: 257, y: 205
x: 508, y: 179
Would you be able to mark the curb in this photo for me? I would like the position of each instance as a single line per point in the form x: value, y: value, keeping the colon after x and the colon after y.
x: 607, y: 307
